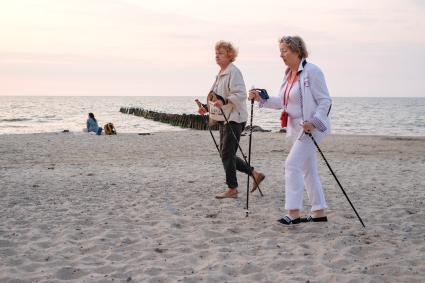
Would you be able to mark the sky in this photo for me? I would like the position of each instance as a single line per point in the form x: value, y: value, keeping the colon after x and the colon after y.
x: 166, y: 47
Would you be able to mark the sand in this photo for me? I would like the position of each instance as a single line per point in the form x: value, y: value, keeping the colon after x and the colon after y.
x: 133, y: 208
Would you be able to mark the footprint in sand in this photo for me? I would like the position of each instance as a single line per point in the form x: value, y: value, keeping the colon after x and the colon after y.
x: 69, y: 273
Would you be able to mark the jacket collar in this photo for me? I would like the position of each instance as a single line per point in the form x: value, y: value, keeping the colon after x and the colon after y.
x: 227, y: 70
x: 300, y: 67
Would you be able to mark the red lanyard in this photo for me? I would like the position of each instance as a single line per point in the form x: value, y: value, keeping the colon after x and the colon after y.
x: 286, y: 94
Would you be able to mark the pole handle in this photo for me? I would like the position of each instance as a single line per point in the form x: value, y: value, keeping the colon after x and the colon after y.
x: 199, y: 103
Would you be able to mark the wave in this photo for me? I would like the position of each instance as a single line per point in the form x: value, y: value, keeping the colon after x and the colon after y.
x: 13, y: 126
x: 15, y: 120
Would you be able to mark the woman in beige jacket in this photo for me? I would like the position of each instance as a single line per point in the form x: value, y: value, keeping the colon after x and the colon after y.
x: 230, y: 86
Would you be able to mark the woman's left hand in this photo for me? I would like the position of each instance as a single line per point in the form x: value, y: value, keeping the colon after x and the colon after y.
x: 218, y: 104
x: 308, y: 127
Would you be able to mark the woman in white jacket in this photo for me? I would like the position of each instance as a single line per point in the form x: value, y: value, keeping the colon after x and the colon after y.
x: 306, y: 103
x: 230, y: 86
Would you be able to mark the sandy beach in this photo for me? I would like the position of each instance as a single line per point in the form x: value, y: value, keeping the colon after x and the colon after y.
x: 141, y: 208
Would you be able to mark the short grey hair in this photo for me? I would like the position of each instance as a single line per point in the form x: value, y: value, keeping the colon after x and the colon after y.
x: 296, y: 44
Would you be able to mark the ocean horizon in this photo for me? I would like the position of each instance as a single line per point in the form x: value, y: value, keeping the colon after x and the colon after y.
x: 388, y: 116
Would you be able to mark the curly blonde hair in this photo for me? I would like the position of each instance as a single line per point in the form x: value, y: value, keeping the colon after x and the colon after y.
x: 296, y: 44
x: 227, y: 46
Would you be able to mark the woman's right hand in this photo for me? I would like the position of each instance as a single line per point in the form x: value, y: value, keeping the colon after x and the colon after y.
x: 253, y: 94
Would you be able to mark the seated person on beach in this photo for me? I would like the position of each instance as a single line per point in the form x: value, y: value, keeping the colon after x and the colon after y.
x: 92, y: 125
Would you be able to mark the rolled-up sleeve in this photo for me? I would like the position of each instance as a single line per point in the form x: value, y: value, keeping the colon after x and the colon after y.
x: 318, y: 124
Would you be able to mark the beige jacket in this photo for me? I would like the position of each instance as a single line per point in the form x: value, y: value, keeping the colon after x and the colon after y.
x: 231, y: 86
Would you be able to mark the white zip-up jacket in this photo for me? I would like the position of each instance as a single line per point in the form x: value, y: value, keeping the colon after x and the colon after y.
x: 315, y: 100
x: 231, y: 86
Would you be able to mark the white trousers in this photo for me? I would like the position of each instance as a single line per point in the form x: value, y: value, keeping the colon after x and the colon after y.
x: 301, y: 172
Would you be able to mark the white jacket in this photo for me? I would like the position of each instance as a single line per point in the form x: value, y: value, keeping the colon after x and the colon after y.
x: 231, y: 86
x: 316, y: 102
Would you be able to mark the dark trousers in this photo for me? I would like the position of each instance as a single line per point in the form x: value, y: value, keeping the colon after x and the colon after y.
x: 228, y: 149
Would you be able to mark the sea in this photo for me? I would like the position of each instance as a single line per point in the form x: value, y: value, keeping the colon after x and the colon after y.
x: 349, y: 115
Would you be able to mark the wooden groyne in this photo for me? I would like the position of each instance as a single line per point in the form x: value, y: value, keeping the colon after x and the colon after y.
x: 190, y: 121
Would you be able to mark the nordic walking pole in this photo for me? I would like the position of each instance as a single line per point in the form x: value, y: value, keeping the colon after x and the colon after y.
x: 209, y: 128
x: 249, y: 157
x: 240, y: 149
x: 352, y: 206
